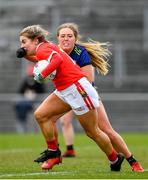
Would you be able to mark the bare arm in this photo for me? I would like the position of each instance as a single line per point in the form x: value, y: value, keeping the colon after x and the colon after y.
x: 89, y: 71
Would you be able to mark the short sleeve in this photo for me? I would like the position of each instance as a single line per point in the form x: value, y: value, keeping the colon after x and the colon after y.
x: 84, y: 59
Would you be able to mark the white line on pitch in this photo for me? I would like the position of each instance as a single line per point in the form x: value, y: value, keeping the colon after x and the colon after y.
x: 19, y: 150
x: 32, y: 174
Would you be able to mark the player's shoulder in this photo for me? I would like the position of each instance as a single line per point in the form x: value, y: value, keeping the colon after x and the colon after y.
x: 52, y: 45
x: 48, y: 45
x: 44, y: 50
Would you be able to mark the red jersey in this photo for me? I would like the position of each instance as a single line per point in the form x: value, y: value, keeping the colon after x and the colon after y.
x: 67, y: 71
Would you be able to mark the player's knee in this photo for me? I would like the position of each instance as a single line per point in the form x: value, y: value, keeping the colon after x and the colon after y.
x: 38, y: 116
x: 65, y: 124
x: 90, y: 134
x: 111, y: 134
x: 94, y: 134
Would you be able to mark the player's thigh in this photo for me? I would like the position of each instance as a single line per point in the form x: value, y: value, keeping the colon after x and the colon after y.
x: 52, y: 106
x: 89, y: 121
x: 103, y: 120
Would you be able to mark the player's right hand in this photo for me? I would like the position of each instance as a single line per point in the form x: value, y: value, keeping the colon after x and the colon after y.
x: 20, y: 53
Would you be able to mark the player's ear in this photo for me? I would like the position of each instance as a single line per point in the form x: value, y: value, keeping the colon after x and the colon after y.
x: 36, y: 40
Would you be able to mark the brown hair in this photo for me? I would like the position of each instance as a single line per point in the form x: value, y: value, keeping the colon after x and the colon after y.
x: 35, y: 31
x: 99, y: 52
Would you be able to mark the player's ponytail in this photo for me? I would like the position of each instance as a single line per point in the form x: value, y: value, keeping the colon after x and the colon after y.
x: 99, y: 54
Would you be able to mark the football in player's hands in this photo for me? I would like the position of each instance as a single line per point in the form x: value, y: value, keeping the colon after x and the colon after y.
x: 39, y: 67
x: 20, y: 53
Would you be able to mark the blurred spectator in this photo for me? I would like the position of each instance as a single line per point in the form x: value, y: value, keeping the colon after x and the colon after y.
x: 28, y: 91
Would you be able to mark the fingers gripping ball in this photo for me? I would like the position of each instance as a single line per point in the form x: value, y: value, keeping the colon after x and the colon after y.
x: 20, y: 53
x: 39, y: 67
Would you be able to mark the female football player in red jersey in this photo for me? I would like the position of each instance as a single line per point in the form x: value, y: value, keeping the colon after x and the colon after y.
x: 82, y: 53
x: 73, y: 91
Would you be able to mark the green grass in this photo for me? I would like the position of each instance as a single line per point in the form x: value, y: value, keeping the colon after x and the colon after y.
x: 18, y: 151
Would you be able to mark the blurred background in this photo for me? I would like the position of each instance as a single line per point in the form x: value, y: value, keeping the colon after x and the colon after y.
x: 123, y: 23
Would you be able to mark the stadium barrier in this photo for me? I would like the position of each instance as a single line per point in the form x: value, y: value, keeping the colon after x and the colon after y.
x: 126, y: 111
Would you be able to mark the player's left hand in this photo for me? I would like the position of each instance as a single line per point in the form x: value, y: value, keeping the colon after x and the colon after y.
x: 39, y: 78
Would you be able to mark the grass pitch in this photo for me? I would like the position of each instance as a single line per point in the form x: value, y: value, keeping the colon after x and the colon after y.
x: 18, y: 151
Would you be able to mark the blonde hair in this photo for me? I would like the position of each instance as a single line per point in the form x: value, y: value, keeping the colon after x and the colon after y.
x: 99, y: 52
x: 72, y: 26
x: 35, y: 31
